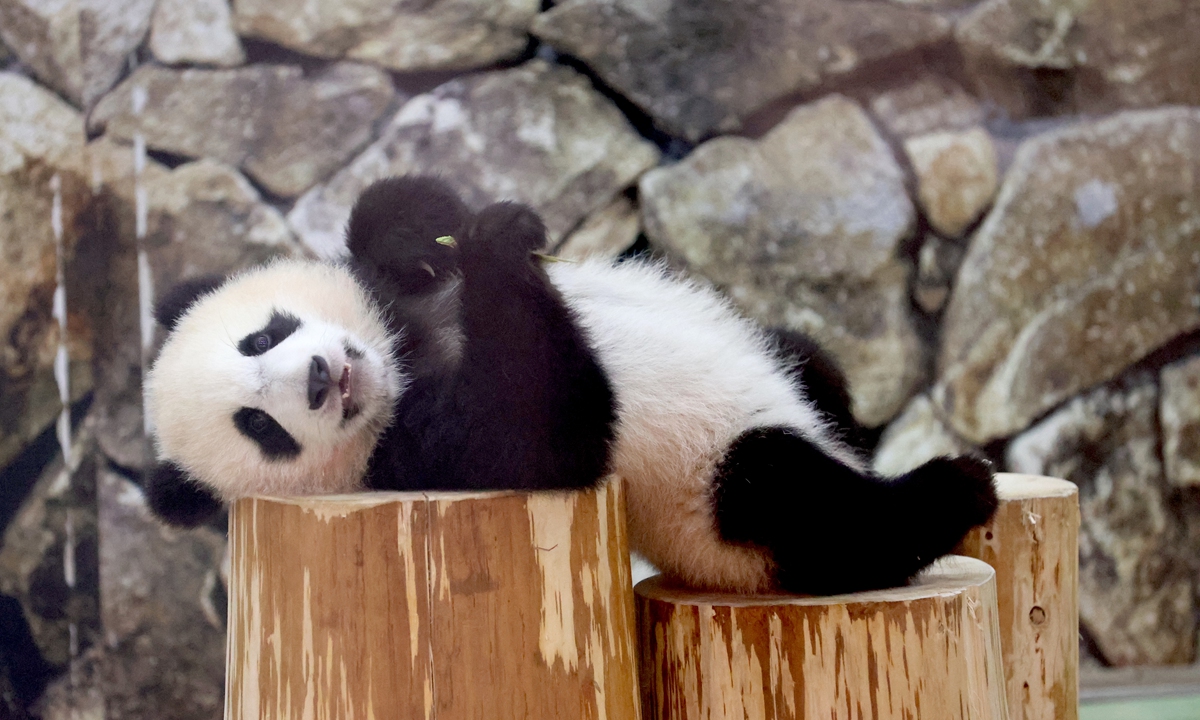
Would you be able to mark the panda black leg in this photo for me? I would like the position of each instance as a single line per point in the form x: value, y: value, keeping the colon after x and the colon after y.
x: 833, y: 529
x: 538, y: 406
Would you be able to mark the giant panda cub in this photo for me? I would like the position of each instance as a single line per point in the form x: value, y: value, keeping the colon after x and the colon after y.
x: 444, y: 353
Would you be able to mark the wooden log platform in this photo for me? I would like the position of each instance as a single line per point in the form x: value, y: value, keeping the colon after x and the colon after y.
x: 1033, y: 543
x: 432, y: 605
x: 927, y: 650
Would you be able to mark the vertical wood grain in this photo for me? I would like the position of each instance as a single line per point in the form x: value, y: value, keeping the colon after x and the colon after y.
x: 432, y: 605
x: 930, y: 650
x: 1033, y: 543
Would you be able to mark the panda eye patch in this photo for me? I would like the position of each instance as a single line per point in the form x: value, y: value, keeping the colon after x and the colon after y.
x: 274, y: 332
x: 258, y: 426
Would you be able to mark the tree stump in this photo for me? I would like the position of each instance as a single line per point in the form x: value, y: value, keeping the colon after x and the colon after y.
x: 439, y: 604
x: 928, y: 650
x: 1033, y: 542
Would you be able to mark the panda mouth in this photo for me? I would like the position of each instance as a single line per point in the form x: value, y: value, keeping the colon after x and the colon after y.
x: 350, y: 408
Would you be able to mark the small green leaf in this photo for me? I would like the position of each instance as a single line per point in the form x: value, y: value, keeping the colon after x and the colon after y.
x: 551, y: 258
x: 446, y: 240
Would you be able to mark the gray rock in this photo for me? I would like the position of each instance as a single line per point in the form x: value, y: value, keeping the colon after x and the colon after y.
x: 802, y: 228
x: 1087, y: 262
x: 285, y: 130
x: 41, y: 137
x: 437, y: 35
x: 49, y: 556
x: 160, y: 604
x: 1179, y: 412
x: 926, y: 105
x: 45, y: 37
x: 700, y: 67
x: 605, y: 233
x: 77, y: 48
x: 195, y: 31
x: 937, y: 264
x: 201, y: 218
x: 1136, y: 571
x: 108, y: 33
x: 917, y: 436
x: 538, y: 134
x: 956, y: 177
x: 1040, y: 57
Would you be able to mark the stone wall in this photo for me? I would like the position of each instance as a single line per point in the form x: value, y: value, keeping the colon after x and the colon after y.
x: 987, y: 210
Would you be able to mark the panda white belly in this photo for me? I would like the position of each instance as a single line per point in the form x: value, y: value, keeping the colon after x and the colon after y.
x: 689, y: 376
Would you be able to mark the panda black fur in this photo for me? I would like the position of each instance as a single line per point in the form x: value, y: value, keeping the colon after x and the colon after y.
x: 418, y: 363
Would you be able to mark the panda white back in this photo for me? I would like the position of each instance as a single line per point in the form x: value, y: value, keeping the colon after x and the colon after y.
x: 690, y: 375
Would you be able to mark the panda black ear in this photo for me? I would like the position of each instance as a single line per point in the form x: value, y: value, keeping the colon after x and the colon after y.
x: 177, y: 498
x: 178, y: 299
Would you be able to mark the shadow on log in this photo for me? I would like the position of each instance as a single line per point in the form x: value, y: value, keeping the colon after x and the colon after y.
x: 928, y: 650
x: 444, y: 605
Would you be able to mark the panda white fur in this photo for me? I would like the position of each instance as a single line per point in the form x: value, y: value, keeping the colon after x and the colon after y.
x: 420, y: 362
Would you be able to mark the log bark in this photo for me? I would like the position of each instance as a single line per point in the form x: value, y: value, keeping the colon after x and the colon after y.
x: 1033, y: 543
x: 442, y: 605
x: 928, y: 650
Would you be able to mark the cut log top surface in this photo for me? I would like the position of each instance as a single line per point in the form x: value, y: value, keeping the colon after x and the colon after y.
x: 946, y: 576
x: 1013, y: 486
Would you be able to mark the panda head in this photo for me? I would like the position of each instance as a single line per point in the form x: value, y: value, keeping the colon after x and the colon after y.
x: 275, y: 381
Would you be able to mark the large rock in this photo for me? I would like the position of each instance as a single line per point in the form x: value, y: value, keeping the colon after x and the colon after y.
x: 437, y: 35
x: 802, y: 229
x: 1087, y: 262
x: 1039, y: 57
x: 78, y: 48
x: 45, y: 37
x: 195, y: 31
x: 108, y: 33
x: 286, y: 130
x: 201, y: 218
x: 163, y: 611
x: 41, y: 137
x: 1180, y: 417
x: 1136, y: 571
x: 956, y: 177
x: 538, y: 134
x: 699, y: 67
x: 917, y: 436
x: 49, y: 556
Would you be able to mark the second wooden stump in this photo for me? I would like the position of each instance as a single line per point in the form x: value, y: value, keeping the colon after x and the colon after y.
x: 928, y: 650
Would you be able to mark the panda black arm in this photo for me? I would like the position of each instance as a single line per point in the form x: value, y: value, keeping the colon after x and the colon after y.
x: 178, y: 499
x: 528, y: 406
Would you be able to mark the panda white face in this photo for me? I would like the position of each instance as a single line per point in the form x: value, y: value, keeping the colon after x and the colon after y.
x: 277, y: 383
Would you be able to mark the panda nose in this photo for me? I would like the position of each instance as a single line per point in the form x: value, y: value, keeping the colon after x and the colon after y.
x: 319, y: 382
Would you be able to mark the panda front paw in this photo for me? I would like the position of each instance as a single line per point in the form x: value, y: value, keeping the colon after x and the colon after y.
x: 504, y: 234
x: 398, y: 230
